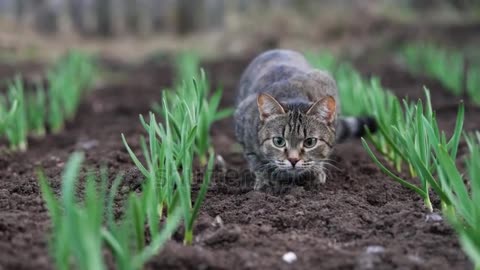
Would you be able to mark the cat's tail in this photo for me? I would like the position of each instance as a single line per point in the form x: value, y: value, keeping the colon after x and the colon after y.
x: 354, y: 127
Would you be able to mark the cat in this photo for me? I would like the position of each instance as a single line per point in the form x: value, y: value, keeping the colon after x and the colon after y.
x: 287, y: 119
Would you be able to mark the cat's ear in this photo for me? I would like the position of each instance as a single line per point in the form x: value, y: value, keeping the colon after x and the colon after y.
x: 268, y: 106
x: 325, y: 108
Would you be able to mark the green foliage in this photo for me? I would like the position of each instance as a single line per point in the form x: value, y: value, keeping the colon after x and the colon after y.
x: 7, y: 111
x: 415, y: 140
x: 463, y: 210
x: 188, y: 114
x: 351, y: 87
x: 16, y: 131
x: 169, y: 160
x: 359, y: 97
x: 31, y: 111
x: 473, y: 84
x: 192, y: 90
x: 79, y: 235
x: 187, y: 66
x: 410, y: 134
x: 36, y: 111
x: 323, y: 60
x: 68, y: 81
x: 444, y: 65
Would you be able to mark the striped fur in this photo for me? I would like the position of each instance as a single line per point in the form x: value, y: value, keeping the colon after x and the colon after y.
x: 287, y: 119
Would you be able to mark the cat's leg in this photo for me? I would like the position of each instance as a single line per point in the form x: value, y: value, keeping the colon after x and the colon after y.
x: 261, y: 176
x: 320, y: 177
x: 262, y: 182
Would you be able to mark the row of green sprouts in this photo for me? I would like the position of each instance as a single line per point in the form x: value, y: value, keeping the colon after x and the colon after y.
x: 173, y: 144
x: 450, y: 67
x: 409, y: 139
x: 31, y: 112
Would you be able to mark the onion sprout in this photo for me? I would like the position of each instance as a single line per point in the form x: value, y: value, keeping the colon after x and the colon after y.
x: 447, y: 66
x: 80, y: 231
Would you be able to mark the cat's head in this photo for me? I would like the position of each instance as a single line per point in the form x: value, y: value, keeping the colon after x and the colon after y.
x: 298, y: 137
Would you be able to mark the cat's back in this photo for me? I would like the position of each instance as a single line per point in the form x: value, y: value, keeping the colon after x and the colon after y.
x: 271, y: 67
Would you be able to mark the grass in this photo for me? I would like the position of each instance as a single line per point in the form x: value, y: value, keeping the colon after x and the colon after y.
x: 447, y: 66
x: 81, y: 231
x: 40, y: 109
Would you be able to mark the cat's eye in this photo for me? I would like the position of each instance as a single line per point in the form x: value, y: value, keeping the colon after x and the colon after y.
x: 309, y: 142
x: 278, y: 141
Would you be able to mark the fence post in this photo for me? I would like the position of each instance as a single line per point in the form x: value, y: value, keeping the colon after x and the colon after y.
x: 76, y: 10
x: 131, y: 16
x: 187, y: 12
x: 213, y: 14
x: 145, y: 16
x: 104, y: 18
x: 19, y: 10
x: 46, y: 15
x: 160, y: 16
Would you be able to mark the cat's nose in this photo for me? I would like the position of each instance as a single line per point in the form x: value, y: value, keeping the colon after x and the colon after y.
x: 293, y: 161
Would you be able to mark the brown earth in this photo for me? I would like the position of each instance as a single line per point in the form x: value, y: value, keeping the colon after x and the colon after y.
x: 359, y: 220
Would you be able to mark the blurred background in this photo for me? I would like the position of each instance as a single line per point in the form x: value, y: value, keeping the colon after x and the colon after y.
x: 136, y: 29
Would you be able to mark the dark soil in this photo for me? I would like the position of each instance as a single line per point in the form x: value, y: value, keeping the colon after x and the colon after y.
x: 359, y: 219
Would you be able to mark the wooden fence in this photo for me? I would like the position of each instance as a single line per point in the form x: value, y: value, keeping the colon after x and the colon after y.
x: 113, y: 17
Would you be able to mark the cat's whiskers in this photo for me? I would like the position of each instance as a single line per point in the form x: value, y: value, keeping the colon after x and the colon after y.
x: 332, y: 166
x: 265, y: 166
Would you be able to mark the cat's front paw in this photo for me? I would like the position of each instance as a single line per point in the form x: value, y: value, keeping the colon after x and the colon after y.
x: 261, y: 183
x: 265, y: 184
x: 321, y: 178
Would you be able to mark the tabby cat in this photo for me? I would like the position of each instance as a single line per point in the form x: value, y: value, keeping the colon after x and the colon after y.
x: 287, y: 119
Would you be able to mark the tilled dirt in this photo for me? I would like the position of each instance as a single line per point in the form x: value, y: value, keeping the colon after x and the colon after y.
x: 359, y: 219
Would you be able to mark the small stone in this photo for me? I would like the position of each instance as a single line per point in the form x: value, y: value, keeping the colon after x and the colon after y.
x: 289, y: 257
x: 433, y: 217
x: 375, y: 249
x: 415, y: 259
x: 299, y: 213
x: 218, y: 221
x: 265, y: 228
x: 87, y: 145
x: 221, y: 163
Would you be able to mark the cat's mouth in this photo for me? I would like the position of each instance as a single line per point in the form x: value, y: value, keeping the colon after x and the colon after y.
x: 288, y: 166
x: 295, y: 169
